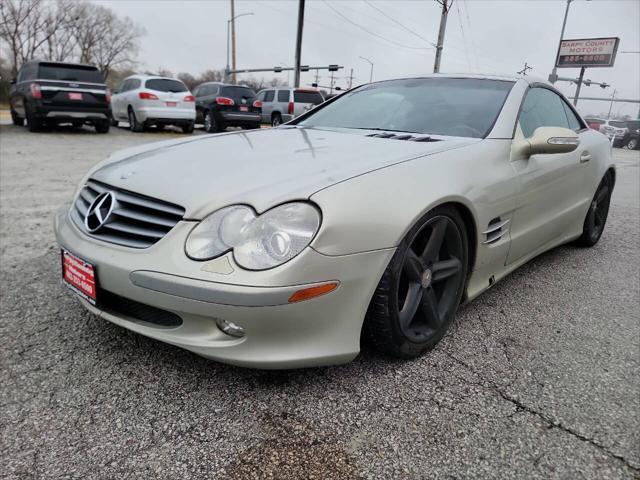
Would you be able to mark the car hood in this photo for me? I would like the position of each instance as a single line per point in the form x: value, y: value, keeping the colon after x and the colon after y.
x: 261, y: 168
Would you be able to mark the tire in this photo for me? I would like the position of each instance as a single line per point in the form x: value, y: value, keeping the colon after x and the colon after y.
x: 597, y: 214
x: 276, y: 119
x: 33, y: 123
x: 113, y: 121
x: 134, y: 125
x: 632, y: 144
x: 102, y: 127
x: 419, y: 293
x: 15, y: 119
x: 211, y: 123
x: 188, y: 127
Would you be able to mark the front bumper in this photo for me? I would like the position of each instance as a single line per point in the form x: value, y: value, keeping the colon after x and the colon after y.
x: 321, y: 331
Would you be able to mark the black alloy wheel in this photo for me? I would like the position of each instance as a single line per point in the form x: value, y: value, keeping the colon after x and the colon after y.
x: 597, y: 214
x: 421, y: 289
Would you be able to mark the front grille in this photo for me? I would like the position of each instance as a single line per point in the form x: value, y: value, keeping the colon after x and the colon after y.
x: 135, y: 220
x: 117, y: 305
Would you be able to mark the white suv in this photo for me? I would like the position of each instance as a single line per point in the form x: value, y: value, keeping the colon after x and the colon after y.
x: 281, y: 104
x: 144, y: 100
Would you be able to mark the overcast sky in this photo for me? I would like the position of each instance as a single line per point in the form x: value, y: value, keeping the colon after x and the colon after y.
x: 483, y: 36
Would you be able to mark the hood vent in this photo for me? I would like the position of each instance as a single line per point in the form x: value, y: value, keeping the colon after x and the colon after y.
x: 403, y: 136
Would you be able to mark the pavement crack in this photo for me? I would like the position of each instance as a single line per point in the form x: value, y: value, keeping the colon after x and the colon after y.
x: 552, y: 423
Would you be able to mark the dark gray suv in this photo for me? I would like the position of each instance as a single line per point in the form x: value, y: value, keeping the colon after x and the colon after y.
x: 219, y: 105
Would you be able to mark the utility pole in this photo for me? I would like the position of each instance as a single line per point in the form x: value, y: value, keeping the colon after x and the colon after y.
x: 233, y: 41
x: 350, y: 79
x: 296, y: 77
x: 446, y: 4
x: 580, y: 79
x: 331, y: 84
x: 523, y: 72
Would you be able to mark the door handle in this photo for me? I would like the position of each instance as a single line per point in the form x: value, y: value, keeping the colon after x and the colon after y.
x: 585, y: 157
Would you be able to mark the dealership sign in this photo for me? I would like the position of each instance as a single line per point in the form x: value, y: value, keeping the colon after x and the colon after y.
x: 587, y: 52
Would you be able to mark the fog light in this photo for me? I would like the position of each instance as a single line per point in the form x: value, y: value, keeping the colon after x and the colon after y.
x: 230, y: 328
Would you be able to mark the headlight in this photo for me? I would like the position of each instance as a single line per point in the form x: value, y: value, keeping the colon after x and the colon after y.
x: 258, y: 242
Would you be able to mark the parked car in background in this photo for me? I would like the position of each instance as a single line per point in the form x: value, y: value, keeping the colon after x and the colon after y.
x: 614, y: 130
x: 631, y: 137
x: 48, y: 93
x: 220, y: 105
x: 595, y: 123
x: 280, y: 105
x: 144, y: 100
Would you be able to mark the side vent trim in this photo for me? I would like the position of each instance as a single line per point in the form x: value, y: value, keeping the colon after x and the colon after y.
x: 495, y: 230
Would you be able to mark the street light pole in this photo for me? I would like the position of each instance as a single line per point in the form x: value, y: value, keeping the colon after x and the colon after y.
x: 371, y: 72
x: 228, y: 69
x: 554, y: 72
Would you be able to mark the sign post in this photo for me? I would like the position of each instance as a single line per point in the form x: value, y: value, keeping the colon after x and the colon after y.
x: 586, y: 53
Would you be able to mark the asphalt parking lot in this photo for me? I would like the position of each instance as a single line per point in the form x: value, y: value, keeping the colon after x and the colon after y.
x: 538, y: 378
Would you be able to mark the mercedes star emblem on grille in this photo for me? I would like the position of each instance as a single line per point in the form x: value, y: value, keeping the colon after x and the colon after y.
x: 99, y: 211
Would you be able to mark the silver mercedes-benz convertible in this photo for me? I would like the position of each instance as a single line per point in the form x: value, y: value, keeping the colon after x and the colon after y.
x: 370, y: 217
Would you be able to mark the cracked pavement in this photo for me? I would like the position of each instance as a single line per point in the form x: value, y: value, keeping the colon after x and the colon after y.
x: 538, y: 377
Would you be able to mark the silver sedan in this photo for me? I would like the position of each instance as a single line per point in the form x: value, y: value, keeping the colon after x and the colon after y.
x: 371, y: 217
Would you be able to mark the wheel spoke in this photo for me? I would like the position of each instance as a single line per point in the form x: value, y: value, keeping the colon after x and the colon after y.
x: 411, y: 304
x: 413, y: 267
x: 429, y: 306
x: 432, y: 249
x: 445, y: 269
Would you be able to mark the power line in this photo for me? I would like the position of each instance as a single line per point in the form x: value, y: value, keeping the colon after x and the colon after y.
x: 523, y: 72
x: 347, y: 19
x: 400, y: 24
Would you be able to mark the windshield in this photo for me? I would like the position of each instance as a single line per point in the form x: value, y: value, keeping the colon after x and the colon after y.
x: 441, y: 106
x: 69, y: 73
x: 165, y: 85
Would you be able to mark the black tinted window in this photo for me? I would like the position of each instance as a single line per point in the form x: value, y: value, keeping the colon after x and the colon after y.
x: 165, y: 85
x: 69, y: 73
x: 283, y: 95
x: 442, y: 106
x: 268, y: 96
x: 238, y: 92
x: 307, y: 97
x: 542, y: 108
x: 618, y: 124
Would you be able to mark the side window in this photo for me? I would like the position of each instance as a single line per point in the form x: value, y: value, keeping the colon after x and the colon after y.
x: 135, y: 83
x: 261, y: 96
x: 268, y: 96
x: 542, y: 108
x: 120, y: 87
x: 574, y: 123
x: 283, y: 95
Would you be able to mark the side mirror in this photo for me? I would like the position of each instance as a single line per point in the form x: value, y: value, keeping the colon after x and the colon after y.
x: 547, y: 140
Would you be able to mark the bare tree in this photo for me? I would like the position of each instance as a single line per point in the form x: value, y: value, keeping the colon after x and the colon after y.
x: 21, y: 25
x: 68, y: 30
